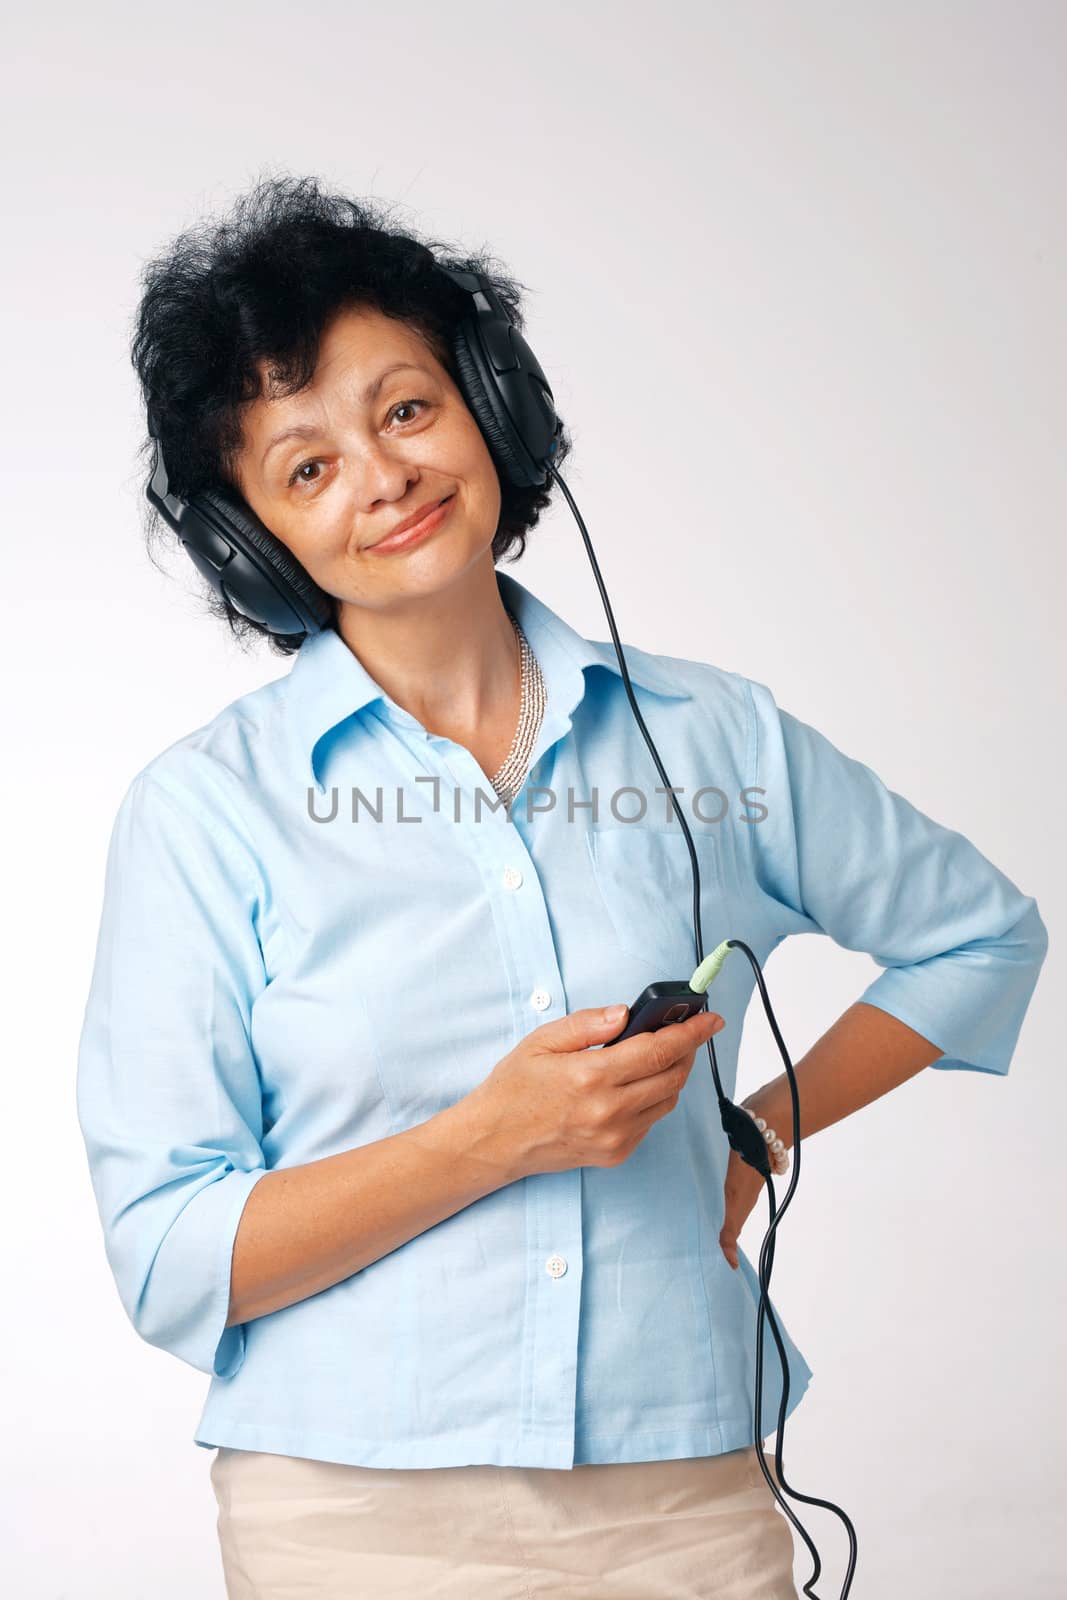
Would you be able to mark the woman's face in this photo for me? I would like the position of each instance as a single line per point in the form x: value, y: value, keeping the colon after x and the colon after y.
x: 366, y: 459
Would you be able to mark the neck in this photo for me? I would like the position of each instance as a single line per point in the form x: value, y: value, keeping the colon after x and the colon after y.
x: 451, y: 658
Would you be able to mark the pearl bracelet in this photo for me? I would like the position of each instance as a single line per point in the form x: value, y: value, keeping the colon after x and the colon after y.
x: 776, y: 1149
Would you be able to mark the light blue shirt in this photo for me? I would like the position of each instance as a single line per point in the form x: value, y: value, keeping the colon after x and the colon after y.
x: 271, y: 988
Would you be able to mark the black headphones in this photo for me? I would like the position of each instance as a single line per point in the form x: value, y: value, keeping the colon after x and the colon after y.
x: 508, y: 396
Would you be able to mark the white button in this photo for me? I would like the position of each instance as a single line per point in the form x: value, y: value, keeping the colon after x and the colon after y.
x: 555, y: 1266
x: 541, y: 998
x: 512, y: 877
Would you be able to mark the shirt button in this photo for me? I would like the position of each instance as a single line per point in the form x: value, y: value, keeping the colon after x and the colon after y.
x: 512, y: 877
x: 555, y: 1266
x: 541, y: 998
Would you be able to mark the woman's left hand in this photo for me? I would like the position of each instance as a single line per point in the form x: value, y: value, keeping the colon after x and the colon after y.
x: 742, y: 1189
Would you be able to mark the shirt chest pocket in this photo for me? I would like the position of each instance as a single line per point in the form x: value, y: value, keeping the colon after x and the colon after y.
x: 644, y: 880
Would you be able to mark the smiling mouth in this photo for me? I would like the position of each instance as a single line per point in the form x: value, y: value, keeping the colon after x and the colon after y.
x: 429, y: 524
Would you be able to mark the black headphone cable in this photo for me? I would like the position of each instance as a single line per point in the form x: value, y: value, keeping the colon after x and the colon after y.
x: 739, y: 1127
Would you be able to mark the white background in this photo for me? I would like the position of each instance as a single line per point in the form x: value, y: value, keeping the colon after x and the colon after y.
x: 796, y: 277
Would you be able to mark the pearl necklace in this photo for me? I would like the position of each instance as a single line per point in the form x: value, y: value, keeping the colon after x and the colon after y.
x: 509, y: 778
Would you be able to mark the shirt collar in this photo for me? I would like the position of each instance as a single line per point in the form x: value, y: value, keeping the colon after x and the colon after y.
x: 328, y: 683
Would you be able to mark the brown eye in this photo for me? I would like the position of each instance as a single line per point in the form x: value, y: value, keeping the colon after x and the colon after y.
x: 402, y: 405
x: 303, y: 468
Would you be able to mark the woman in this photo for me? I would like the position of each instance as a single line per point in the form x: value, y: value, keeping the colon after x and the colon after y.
x: 452, y: 1274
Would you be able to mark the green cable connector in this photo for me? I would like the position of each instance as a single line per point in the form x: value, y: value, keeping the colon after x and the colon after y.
x: 709, y: 968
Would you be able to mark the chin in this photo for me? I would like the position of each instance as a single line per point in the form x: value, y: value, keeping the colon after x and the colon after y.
x: 441, y: 559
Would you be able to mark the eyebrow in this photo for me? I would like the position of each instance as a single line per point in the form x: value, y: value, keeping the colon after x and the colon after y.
x: 303, y: 430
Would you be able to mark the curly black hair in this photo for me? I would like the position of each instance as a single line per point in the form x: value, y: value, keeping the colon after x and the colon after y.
x: 260, y: 285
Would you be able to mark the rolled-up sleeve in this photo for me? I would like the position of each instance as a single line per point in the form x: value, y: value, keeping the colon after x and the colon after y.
x: 168, y: 1091
x: 842, y: 854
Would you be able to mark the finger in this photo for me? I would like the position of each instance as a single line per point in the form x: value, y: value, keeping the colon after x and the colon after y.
x: 644, y: 1054
x: 578, y: 1029
x: 682, y: 1039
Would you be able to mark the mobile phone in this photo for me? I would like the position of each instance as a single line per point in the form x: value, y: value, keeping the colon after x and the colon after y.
x: 659, y: 1005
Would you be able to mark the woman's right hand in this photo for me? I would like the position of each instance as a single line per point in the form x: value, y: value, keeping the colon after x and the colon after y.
x: 559, y: 1104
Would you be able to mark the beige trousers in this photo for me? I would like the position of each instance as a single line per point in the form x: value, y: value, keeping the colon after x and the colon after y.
x: 700, y: 1528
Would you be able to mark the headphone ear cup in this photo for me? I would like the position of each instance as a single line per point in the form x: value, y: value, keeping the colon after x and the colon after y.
x: 496, y: 429
x: 244, y: 562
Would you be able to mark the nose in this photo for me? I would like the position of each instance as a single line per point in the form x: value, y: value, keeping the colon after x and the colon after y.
x: 385, y: 474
